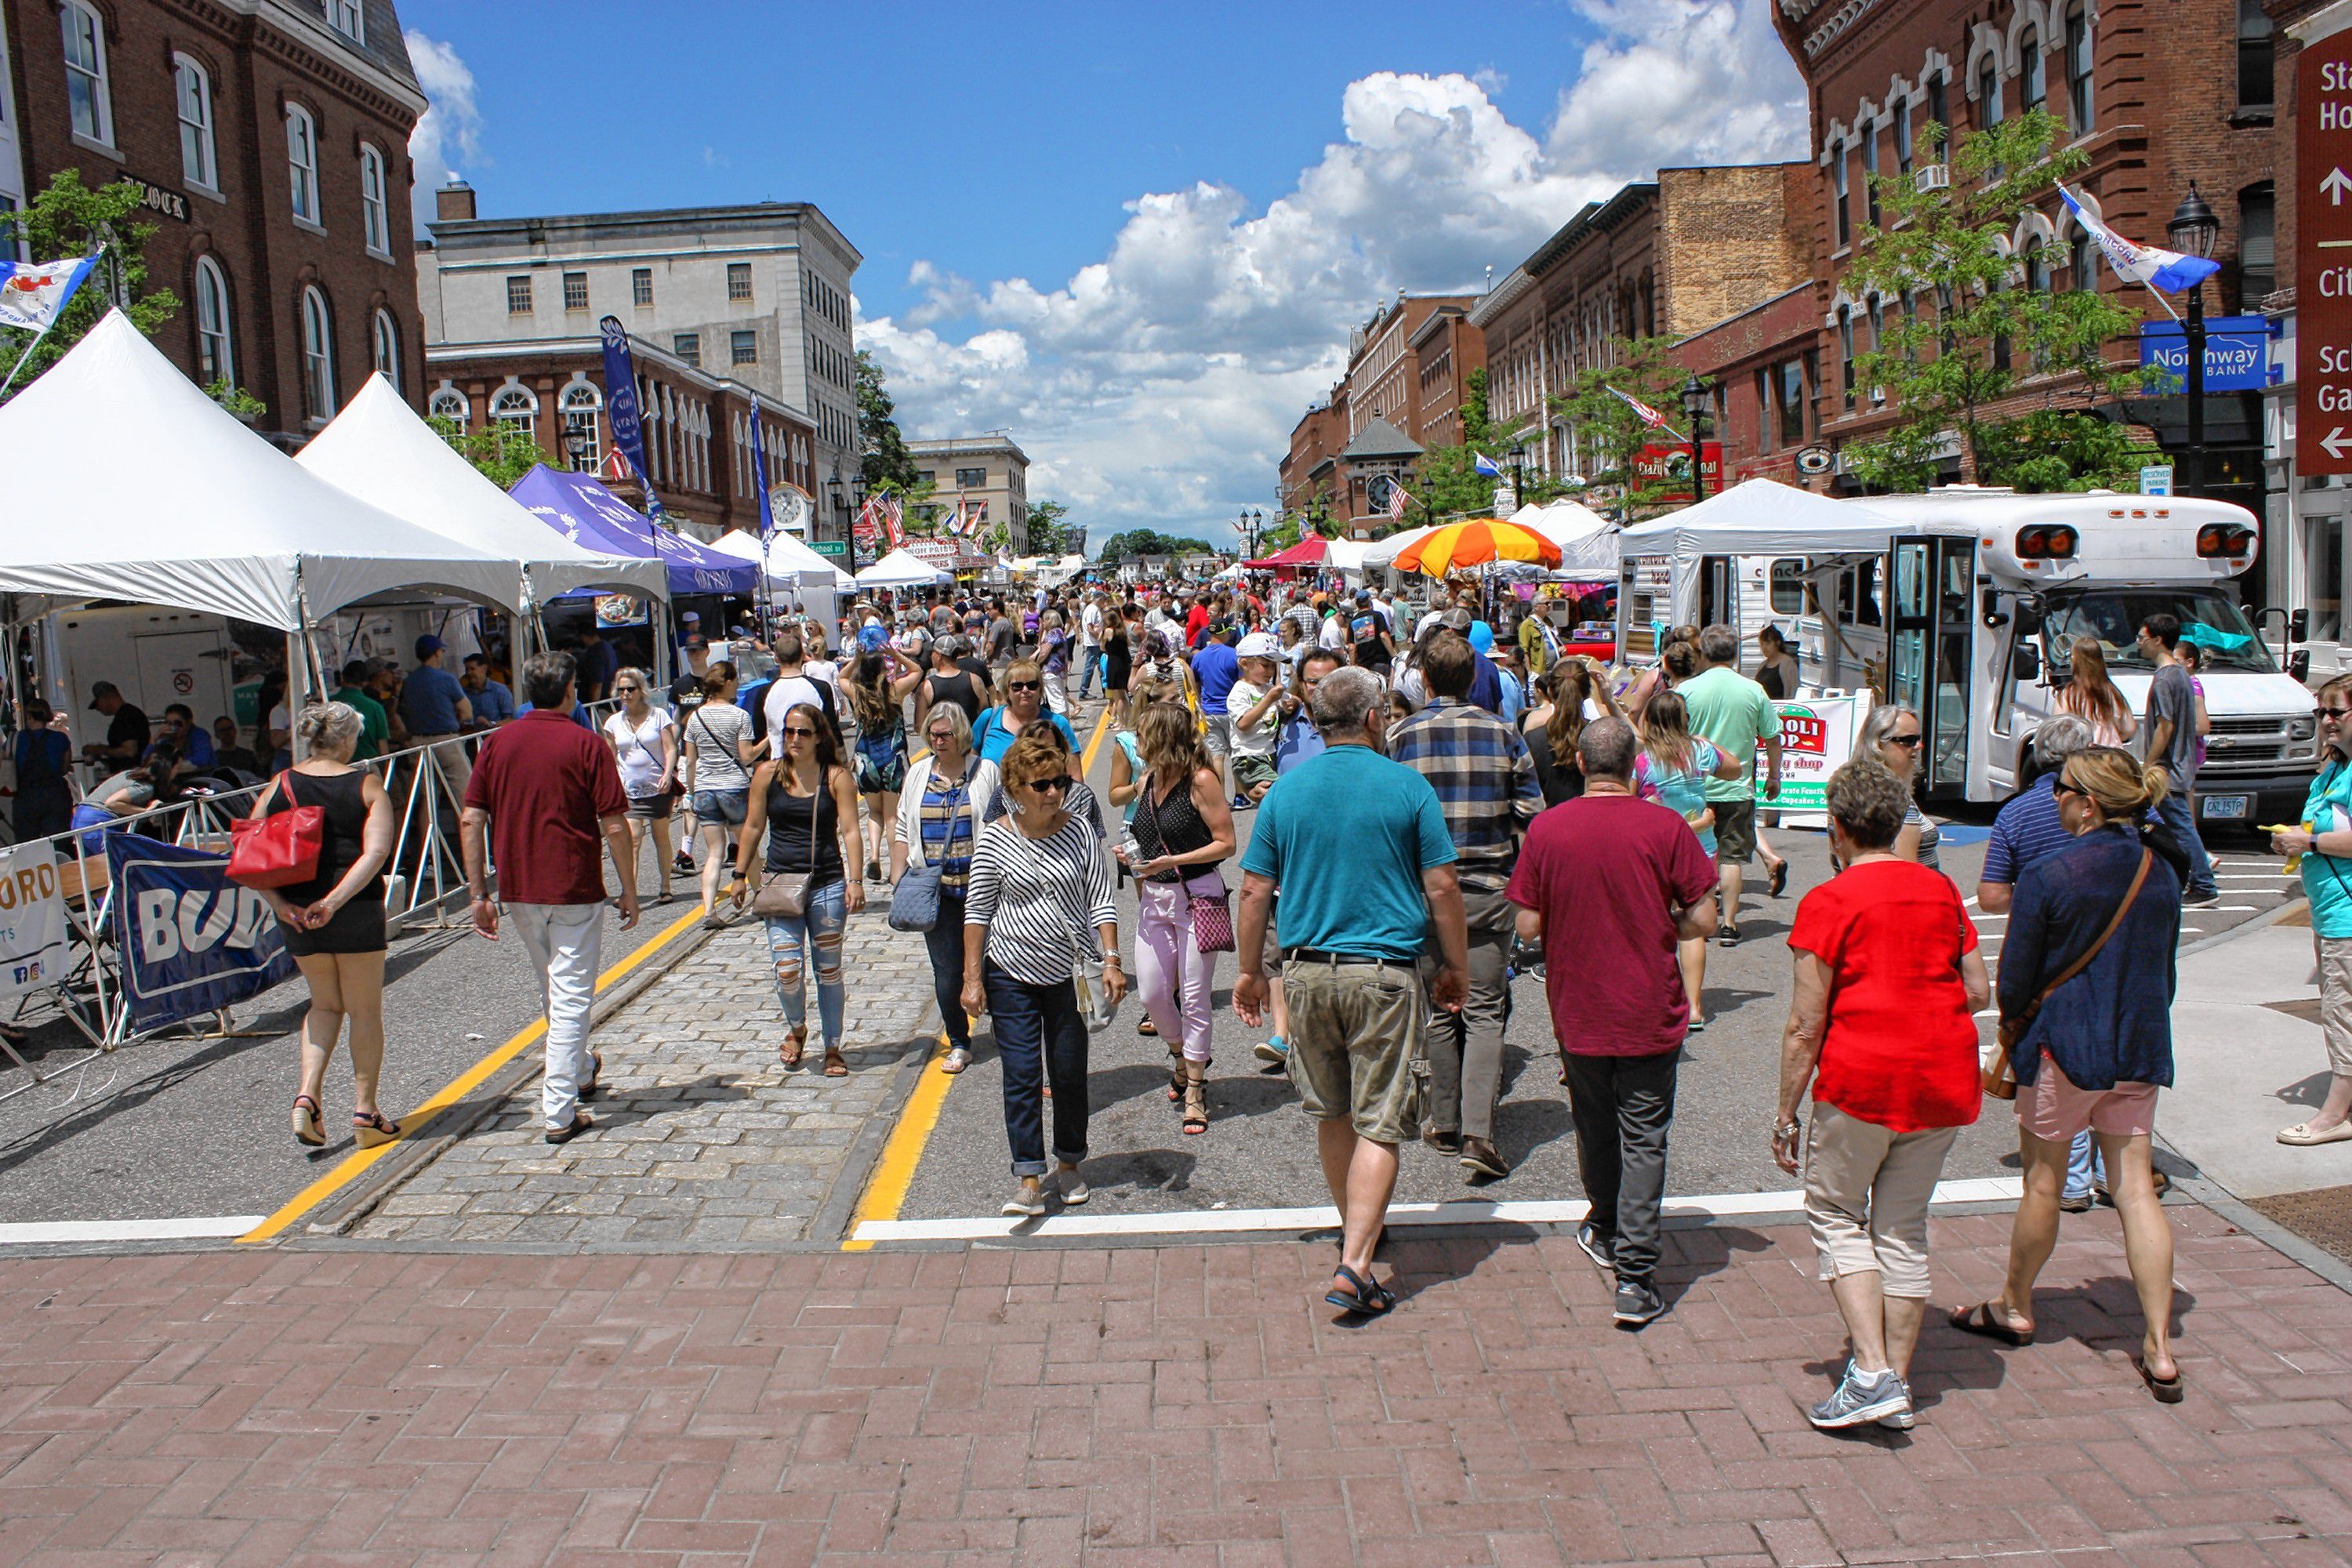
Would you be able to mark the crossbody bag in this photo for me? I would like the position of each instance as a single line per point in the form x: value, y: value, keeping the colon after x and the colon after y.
x: 783, y: 895
x: 2000, y: 1069
x: 1204, y: 892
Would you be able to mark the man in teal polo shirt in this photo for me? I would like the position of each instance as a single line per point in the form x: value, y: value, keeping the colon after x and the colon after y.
x: 1736, y: 715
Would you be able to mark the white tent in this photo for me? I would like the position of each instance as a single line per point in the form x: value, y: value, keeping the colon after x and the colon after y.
x: 792, y: 568
x: 1346, y: 556
x: 379, y: 450
x: 901, y: 569
x: 1759, y: 517
x: 120, y: 479
x: 1381, y: 551
x: 1586, y: 541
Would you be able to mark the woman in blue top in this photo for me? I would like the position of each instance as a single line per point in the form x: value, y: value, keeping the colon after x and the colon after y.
x: 1672, y: 768
x: 2325, y: 842
x: 44, y: 795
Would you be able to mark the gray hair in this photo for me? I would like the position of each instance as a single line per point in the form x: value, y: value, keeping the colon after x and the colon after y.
x: 1718, y: 644
x: 328, y: 726
x: 1343, y: 698
x: 1877, y: 727
x: 1605, y: 750
x: 2059, y: 737
x: 956, y: 719
x: 1868, y: 803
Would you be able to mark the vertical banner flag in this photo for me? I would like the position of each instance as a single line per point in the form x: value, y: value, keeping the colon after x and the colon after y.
x: 190, y: 941
x: 621, y: 405
x: 32, y: 921
x: 760, y: 477
x: 32, y: 294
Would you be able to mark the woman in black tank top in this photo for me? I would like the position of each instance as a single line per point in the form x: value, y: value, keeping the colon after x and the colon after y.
x: 333, y: 923
x: 1182, y: 829
x: 806, y: 806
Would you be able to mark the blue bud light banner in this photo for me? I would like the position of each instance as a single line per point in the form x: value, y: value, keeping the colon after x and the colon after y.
x: 621, y: 405
x: 189, y: 939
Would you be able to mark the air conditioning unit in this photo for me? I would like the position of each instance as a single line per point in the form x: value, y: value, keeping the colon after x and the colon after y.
x: 1932, y: 177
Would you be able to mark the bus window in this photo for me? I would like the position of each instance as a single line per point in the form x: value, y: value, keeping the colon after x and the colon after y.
x: 1788, y: 587
x: 1864, y: 609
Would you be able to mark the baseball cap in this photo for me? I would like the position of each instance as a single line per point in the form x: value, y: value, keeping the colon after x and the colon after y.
x: 690, y: 618
x: 1457, y: 619
x: 694, y: 640
x: 102, y: 690
x: 1258, y: 645
x: 428, y: 645
x: 1482, y: 637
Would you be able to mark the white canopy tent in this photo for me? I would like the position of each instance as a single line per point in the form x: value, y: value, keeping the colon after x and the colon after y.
x: 794, y: 568
x: 1346, y: 556
x: 1381, y: 551
x: 379, y: 450
x: 1586, y: 541
x: 901, y: 569
x: 1759, y: 517
x: 120, y: 479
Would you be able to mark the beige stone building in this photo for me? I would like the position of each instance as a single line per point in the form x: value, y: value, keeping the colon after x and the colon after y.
x: 991, y: 471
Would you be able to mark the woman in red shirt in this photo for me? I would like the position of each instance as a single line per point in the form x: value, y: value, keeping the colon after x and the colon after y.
x: 1883, y: 1027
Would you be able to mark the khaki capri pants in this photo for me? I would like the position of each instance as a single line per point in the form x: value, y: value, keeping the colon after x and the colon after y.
x: 1866, y: 1193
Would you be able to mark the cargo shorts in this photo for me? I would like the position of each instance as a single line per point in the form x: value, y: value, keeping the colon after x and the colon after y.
x: 1357, y: 1043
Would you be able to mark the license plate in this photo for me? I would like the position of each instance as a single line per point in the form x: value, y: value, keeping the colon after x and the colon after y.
x: 2224, y: 808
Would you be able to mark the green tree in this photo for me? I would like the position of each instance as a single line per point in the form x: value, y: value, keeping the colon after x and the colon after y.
x: 1963, y: 336
x: 1050, y: 532
x: 882, y: 451
x: 1446, y: 481
x: 498, y: 451
x: 1608, y: 427
x: 1149, y: 541
x: 70, y: 219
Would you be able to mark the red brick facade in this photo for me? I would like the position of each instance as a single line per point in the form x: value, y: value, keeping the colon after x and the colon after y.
x: 257, y: 63
x: 1445, y: 349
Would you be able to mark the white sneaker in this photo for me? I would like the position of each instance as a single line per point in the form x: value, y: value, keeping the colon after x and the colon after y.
x: 1074, y: 1187
x: 1026, y: 1201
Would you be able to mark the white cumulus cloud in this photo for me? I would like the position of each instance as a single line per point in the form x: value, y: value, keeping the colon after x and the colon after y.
x: 448, y: 138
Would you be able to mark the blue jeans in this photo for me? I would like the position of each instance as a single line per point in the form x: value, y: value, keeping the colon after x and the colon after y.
x: 1090, y: 665
x: 820, y: 928
x: 1039, y: 1036
x: 945, y: 943
x: 2083, y: 1167
x: 2181, y: 823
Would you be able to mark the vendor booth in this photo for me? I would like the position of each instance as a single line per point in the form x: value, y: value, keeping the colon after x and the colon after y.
x: 901, y: 569
x: 796, y: 575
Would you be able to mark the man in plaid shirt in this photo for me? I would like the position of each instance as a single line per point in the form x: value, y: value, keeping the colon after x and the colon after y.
x: 1485, y: 781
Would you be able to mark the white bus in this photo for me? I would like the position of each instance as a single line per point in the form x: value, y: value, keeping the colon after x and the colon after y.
x: 1963, y: 604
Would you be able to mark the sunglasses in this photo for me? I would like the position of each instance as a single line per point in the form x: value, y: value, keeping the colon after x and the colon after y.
x: 797, y: 731
x: 2330, y: 712
x: 1909, y: 743
x: 1054, y: 784
x: 2063, y: 787
x: 1025, y: 686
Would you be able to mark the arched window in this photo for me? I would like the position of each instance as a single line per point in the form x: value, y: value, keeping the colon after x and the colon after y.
x: 1846, y: 351
x: 193, y: 88
x: 580, y: 405
x: 1988, y: 92
x: 317, y: 357
x: 384, y: 341
x: 2037, y: 266
x: 448, y: 403
x: 2081, y: 102
x: 376, y: 217
x: 89, y: 102
x: 2033, y: 80
x: 215, y: 350
x: 517, y: 407
x: 303, y: 161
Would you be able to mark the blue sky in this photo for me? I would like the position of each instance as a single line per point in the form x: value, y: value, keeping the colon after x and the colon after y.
x: 1133, y: 235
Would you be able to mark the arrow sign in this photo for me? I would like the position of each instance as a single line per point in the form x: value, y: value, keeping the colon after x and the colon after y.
x: 2335, y: 185
x: 2337, y: 442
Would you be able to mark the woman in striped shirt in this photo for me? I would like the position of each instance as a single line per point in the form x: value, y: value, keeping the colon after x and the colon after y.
x: 947, y: 796
x: 1038, y: 902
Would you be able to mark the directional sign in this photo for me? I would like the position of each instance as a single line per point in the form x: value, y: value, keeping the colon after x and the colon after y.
x: 2323, y: 257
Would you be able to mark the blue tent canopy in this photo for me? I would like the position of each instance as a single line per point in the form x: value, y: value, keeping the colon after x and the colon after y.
x: 588, y: 514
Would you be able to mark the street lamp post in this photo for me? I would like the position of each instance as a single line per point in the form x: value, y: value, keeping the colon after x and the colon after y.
x: 2194, y: 231
x: 1695, y: 397
x: 1518, y: 456
x: 833, y: 493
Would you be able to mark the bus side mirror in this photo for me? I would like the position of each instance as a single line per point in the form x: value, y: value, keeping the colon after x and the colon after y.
x: 2029, y: 617
x: 2299, y: 626
x: 2298, y: 663
x: 2025, y: 661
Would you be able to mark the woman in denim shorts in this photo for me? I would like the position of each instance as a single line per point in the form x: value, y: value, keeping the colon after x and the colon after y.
x: 720, y: 752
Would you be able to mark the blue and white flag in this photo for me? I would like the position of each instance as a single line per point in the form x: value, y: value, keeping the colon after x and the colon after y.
x: 1485, y: 465
x: 32, y: 293
x: 2159, y: 268
x: 621, y: 405
x: 759, y: 475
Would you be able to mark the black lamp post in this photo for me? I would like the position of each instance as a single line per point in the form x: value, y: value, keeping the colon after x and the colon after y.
x: 1247, y: 530
x: 1696, y: 399
x: 575, y: 446
x: 2193, y: 231
x: 1518, y: 474
x: 835, y: 493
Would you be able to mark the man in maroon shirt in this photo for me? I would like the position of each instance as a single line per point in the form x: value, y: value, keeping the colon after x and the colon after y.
x: 1616, y: 880
x: 544, y: 790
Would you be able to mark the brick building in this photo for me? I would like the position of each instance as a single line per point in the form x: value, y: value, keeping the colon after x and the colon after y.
x: 1384, y: 364
x: 271, y: 137
x: 1309, y: 469
x: 1764, y: 366
x: 1406, y: 371
x: 1445, y: 349
x: 696, y: 426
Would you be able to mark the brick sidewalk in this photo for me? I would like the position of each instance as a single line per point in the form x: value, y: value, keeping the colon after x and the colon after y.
x: 1183, y: 1406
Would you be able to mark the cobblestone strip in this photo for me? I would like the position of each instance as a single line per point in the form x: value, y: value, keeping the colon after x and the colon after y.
x: 702, y: 1139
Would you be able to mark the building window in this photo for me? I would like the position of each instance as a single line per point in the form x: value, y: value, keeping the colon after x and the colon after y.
x: 516, y: 409
x: 739, y: 280
x: 1846, y: 351
x: 1844, y: 218
x: 688, y: 346
x: 580, y: 404
x: 1870, y: 173
x: 448, y: 404
x: 303, y: 161
x: 641, y: 286
x: 2037, y: 267
x: 743, y: 348
x: 215, y: 350
x: 2254, y: 88
x: 2083, y: 259
x: 1903, y: 136
x: 576, y: 290
x: 2033, y: 80
x: 971, y: 479
x: 194, y: 88
x: 350, y: 18
x: 1988, y: 93
x: 88, y: 99
x: 1792, y: 402
x: 519, y: 296
x: 2081, y: 102
x: 318, y: 358
x: 383, y: 341
x: 1939, y: 111
x: 1787, y: 587
x: 2257, y: 243
x: 375, y: 215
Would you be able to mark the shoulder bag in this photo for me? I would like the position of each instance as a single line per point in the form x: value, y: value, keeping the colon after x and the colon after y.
x: 2001, y: 1068
x: 281, y: 849
x: 914, y: 900
x: 783, y: 895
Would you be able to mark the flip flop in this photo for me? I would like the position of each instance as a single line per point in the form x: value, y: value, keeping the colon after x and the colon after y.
x: 2167, y: 1389
x: 1780, y: 882
x: 2302, y: 1136
x: 1979, y: 1319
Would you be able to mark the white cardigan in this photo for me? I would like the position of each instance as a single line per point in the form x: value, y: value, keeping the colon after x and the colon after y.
x: 908, y: 828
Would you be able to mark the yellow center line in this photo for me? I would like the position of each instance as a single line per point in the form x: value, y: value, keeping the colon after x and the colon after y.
x: 894, y: 1173
x: 457, y: 1088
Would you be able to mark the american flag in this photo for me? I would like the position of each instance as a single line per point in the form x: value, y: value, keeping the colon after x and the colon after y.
x: 1396, y: 501
x: 1649, y: 416
x: 888, y: 506
x: 865, y: 528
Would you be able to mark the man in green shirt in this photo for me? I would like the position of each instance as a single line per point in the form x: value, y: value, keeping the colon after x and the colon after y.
x: 1733, y: 713
x: 375, y: 729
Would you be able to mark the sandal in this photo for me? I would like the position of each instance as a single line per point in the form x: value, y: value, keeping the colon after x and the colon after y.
x: 835, y: 1066
x: 371, y: 1127
x: 1780, y: 882
x: 1144, y: 1026
x: 1979, y: 1319
x: 2167, y: 1389
x: 1364, y: 1297
x: 789, y: 1052
x: 1175, y: 1075
x: 306, y: 1130
x: 956, y: 1061
x: 1196, y: 1109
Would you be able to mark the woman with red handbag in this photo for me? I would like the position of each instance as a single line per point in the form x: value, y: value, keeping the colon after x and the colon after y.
x: 333, y: 921
x: 1182, y: 829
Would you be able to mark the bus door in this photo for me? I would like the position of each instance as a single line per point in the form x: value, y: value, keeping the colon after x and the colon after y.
x: 1719, y: 601
x: 1931, y: 628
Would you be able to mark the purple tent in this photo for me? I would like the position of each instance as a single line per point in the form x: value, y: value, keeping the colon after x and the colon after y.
x: 593, y: 517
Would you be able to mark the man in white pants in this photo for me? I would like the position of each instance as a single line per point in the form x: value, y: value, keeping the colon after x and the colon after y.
x: 543, y: 791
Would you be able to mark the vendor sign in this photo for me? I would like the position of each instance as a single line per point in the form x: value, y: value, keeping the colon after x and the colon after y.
x: 620, y: 610
x: 32, y: 921
x: 191, y: 941
x: 1816, y: 739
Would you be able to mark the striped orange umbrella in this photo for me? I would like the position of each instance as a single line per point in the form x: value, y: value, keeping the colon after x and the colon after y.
x: 1473, y: 544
